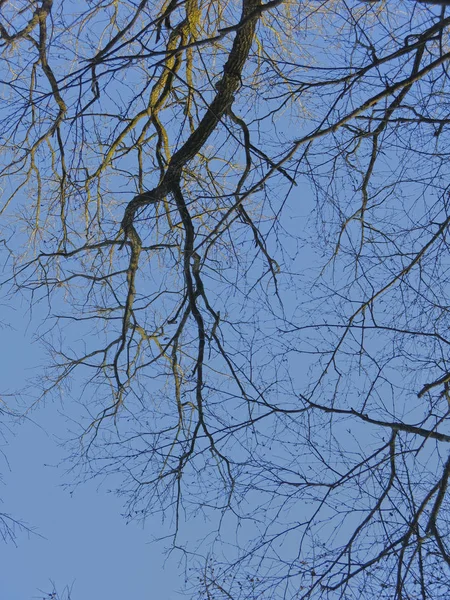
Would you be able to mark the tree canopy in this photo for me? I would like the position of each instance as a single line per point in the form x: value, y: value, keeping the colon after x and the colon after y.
x: 234, y: 216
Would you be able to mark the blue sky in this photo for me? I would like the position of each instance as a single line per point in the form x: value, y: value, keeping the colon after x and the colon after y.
x: 84, y: 542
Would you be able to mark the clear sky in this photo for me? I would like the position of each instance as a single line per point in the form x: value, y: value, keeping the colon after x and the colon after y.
x: 85, y: 542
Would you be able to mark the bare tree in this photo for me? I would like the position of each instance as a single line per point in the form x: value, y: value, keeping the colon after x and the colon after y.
x: 9, y: 525
x: 56, y: 594
x: 284, y: 374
